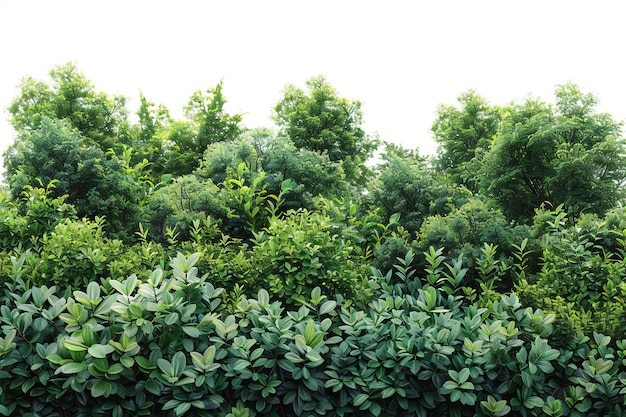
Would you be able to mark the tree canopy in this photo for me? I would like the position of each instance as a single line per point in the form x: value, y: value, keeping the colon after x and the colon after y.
x: 564, y: 154
x: 464, y: 136
x: 320, y: 120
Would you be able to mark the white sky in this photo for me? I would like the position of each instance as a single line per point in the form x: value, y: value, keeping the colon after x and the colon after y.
x: 399, y: 58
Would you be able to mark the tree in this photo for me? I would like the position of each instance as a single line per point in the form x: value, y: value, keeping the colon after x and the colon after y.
x: 150, y: 135
x: 407, y: 185
x: 71, y: 96
x: 321, y: 121
x: 207, y: 123
x: 565, y: 155
x: 97, y: 184
x: 464, y: 136
x: 313, y: 174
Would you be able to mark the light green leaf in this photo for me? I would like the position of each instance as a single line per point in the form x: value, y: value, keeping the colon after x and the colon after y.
x: 191, y: 331
x: 100, y: 351
x: 71, y: 368
x: 74, y: 346
x: 327, y: 307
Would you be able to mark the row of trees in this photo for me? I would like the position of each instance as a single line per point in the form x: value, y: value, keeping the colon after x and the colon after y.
x: 516, y: 157
x: 498, y: 175
x: 198, y: 267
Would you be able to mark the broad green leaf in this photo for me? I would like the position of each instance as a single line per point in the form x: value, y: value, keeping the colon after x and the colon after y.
x: 101, y: 389
x: 104, y: 307
x: 241, y: 364
x: 360, y: 399
x: 178, y: 363
x: 70, y: 368
x: 93, y: 291
x: 74, y: 346
x: 191, y: 331
x: 182, y: 409
x: 327, y: 307
x: 100, y: 351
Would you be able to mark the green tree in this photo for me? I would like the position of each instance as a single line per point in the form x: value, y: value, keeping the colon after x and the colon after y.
x: 566, y: 154
x: 464, y: 136
x: 321, y: 121
x: 150, y: 140
x: 97, y: 184
x: 207, y: 123
x: 101, y: 119
x: 407, y: 185
x: 222, y: 158
x: 177, y: 205
x: 313, y: 174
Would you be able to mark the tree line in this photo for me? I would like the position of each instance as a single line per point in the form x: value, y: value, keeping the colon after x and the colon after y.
x: 184, y: 267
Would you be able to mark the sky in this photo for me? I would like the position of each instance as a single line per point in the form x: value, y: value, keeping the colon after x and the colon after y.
x: 400, y: 59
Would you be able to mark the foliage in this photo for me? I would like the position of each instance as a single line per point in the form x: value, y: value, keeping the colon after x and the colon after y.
x: 569, y: 155
x: 299, y: 252
x: 465, y: 231
x: 464, y: 136
x: 406, y: 185
x: 71, y: 97
x: 166, y: 345
x: 190, y: 267
x: 95, y: 183
x: 175, y: 206
x: 321, y: 121
x: 25, y: 221
x: 313, y: 174
x: 208, y: 124
x: 150, y: 135
x: 580, y: 277
x: 72, y: 254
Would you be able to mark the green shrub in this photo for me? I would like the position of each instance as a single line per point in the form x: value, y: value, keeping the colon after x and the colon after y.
x: 167, y: 346
x: 74, y: 254
x: 580, y: 277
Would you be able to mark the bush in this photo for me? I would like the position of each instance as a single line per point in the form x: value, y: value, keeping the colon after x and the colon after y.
x: 168, y: 346
x: 580, y: 277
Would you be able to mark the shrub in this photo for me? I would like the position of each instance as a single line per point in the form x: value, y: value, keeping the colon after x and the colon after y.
x: 167, y: 346
x: 579, y: 276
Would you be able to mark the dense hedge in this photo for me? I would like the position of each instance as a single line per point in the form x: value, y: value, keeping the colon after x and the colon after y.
x: 169, y: 345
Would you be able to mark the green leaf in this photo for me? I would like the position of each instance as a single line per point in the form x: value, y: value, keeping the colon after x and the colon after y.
x: 360, y: 399
x: 327, y: 307
x: 182, y: 409
x: 71, y: 368
x: 191, y: 331
x: 93, y: 292
x: 100, y: 351
x: 263, y: 297
x: 74, y: 346
x: 171, y: 404
x: 153, y: 387
x: 101, y: 389
x: 104, y: 307
x: 88, y: 336
x: 241, y: 364
x: 192, y: 260
x: 533, y: 401
x: 309, y: 333
x: 178, y: 363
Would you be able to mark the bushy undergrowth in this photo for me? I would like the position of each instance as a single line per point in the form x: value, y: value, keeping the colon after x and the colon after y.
x: 288, y: 319
x: 169, y: 345
x: 582, y: 276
